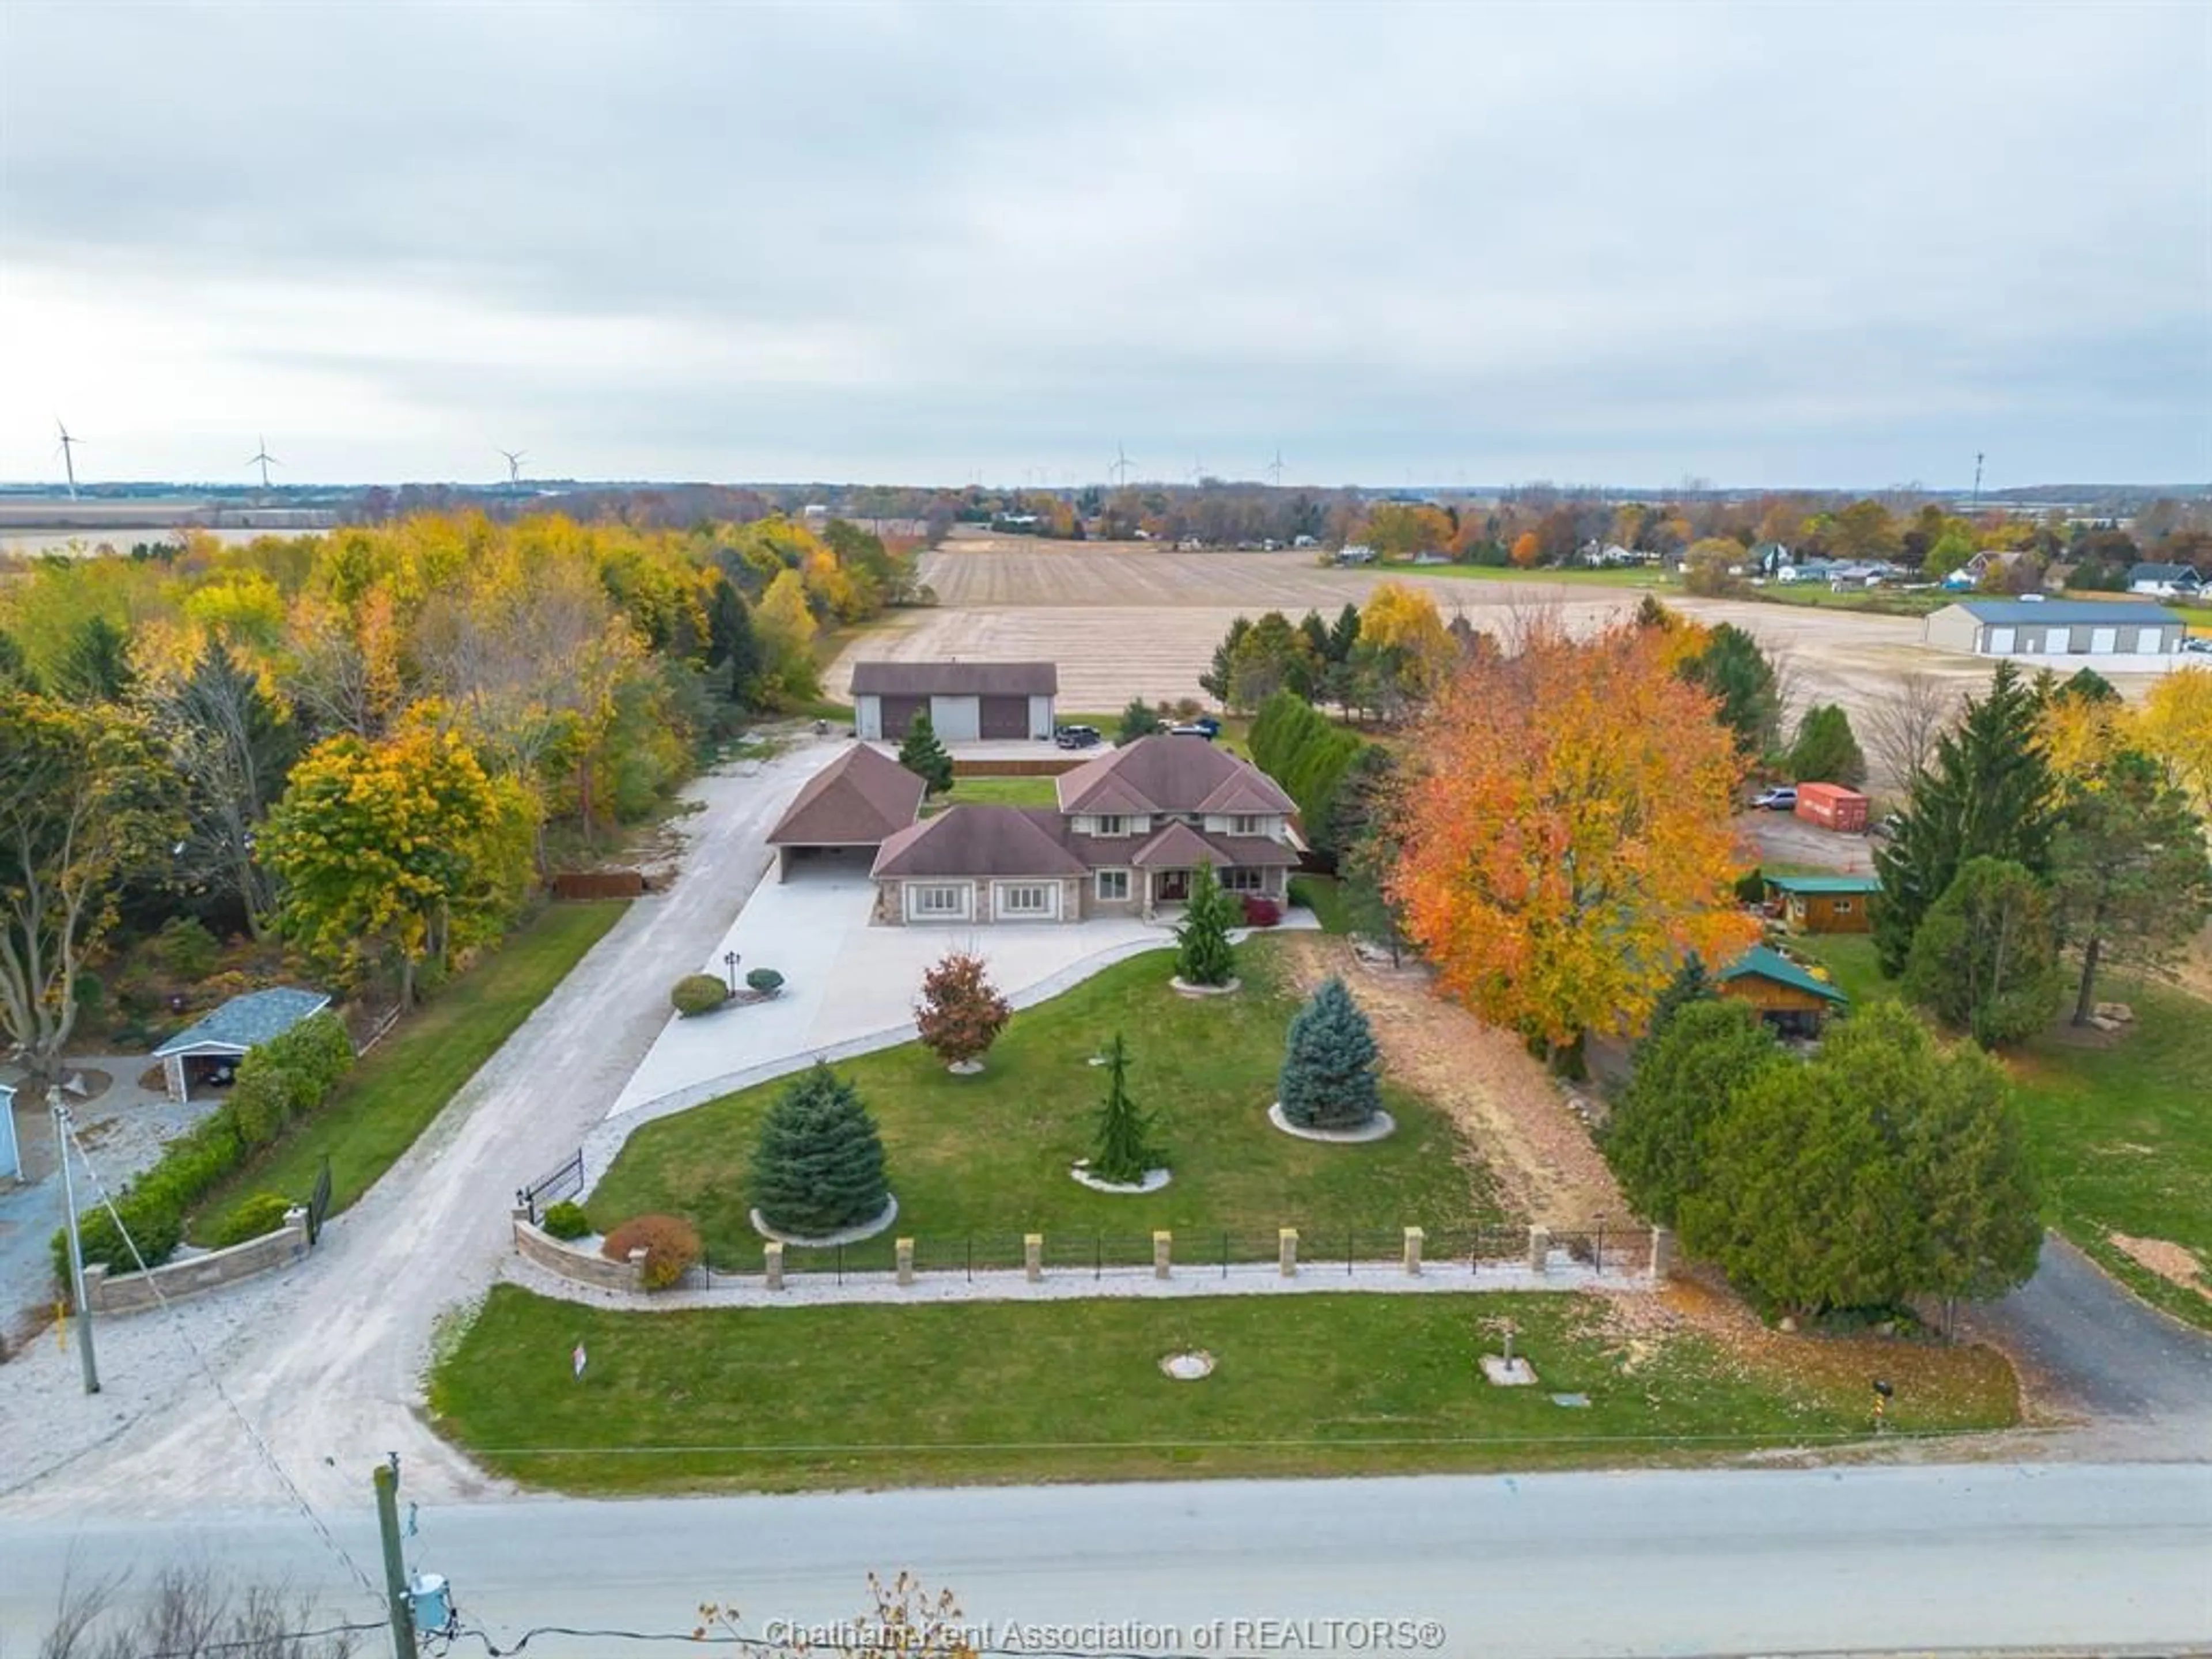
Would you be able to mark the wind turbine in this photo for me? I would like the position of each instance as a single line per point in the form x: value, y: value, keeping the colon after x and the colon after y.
x: 515, y: 459
x: 69, y: 458
x: 1275, y: 468
x: 1197, y: 471
x: 1120, y: 467
x: 264, y: 460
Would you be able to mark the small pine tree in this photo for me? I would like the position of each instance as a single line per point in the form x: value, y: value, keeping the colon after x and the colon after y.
x: 961, y: 1013
x: 922, y: 755
x: 1328, y: 1078
x: 819, y: 1168
x: 1139, y: 719
x: 1690, y: 984
x: 1123, y: 1152
x: 1203, y: 954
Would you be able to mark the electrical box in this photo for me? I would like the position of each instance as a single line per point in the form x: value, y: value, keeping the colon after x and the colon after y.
x: 432, y: 1601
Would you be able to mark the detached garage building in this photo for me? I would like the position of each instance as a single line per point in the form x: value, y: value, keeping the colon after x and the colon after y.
x: 853, y: 804
x: 2055, y: 627
x: 966, y: 702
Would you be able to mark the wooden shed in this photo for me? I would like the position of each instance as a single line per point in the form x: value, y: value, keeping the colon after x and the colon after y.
x: 1786, y: 996
x: 1824, y: 904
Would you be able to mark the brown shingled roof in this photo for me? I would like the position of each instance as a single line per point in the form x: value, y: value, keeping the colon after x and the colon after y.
x: 980, y: 841
x: 857, y: 800
x: 955, y: 679
x: 1170, y: 774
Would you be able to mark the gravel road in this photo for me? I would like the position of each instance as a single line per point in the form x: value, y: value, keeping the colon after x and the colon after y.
x: 325, y: 1361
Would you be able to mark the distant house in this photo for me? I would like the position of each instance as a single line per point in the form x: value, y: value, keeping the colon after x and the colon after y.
x: 1129, y: 831
x: 1824, y: 904
x: 966, y: 702
x: 2055, y: 627
x: 1357, y: 553
x: 853, y: 804
x: 2165, y: 582
x: 1787, y: 997
x: 226, y: 1036
x: 1432, y: 556
x: 1772, y: 559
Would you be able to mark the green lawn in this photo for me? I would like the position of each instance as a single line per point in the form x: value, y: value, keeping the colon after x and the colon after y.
x: 1636, y: 576
x: 792, y: 1398
x: 1880, y: 601
x: 405, y: 1082
x: 997, y: 791
x: 988, y: 1156
x: 2121, y: 1127
x: 1323, y: 896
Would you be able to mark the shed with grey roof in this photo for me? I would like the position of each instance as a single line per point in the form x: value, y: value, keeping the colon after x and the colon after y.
x: 219, y: 1041
x: 966, y: 702
x: 2117, y: 632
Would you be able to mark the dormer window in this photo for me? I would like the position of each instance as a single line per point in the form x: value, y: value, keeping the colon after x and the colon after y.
x: 1114, y: 825
x: 1247, y: 824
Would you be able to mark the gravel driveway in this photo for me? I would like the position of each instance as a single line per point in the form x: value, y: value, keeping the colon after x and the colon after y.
x: 326, y: 1360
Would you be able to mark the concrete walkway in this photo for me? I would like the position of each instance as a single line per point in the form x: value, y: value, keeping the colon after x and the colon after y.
x: 819, y: 1289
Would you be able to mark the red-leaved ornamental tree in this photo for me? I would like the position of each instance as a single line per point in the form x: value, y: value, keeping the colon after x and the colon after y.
x: 1568, y: 837
x: 961, y: 1013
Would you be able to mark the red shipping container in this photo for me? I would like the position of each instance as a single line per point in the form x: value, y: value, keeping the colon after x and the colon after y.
x: 1831, y: 806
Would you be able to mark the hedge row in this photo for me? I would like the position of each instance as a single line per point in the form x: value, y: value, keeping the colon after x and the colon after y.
x: 279, y: 1082
x: 1310, y: 755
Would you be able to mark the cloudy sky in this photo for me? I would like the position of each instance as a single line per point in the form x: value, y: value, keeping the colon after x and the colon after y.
x: 1763, y: 244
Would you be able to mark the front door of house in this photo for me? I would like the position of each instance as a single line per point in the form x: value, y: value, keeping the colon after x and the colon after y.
x: 1171, y: 887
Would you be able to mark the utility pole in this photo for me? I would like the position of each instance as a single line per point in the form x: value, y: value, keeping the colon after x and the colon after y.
x: 395, y: 1574
x: 1977, y: 507
x: 75, y: 1244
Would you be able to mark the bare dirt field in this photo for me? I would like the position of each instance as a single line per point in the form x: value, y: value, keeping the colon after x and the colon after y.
x: 1131, y: 620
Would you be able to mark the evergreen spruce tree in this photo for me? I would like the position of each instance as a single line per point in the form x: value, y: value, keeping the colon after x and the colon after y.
x: 1123, y: 1152
x: 1827, y: 751
x: 1203, y: 953
x: 1690, y: 984
x: 1986, y: 794
x: 922, y: 755
x: 1328, y: 1078
x: 819, y: 1168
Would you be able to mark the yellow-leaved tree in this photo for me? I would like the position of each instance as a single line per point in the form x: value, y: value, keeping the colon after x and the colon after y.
x: 1567, y: 837
x: 406, y: 847
x: 2176, y: 728
x: 1404, y: 642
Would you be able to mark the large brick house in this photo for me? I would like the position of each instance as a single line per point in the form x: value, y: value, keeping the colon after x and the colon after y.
x: 1129, y: 831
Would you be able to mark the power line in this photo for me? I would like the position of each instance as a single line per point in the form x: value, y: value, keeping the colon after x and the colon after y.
x: 762, y: 1645
x: 261, y: 1643
x: 252, y: 1436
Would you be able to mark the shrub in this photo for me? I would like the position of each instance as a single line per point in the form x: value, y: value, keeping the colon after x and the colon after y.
x: 669, y: 1243
x: 1260, y: 911
x: 1328, y: 1079
x: 285, y: 1078
x: 698, y: 994
x: 566, y: 1220
x: 819, y: 1169
x: 1751, y: 886
x: 264, y: 1213
x: 185, y: 950
x: 154, y: 1206
x: 766, y: 980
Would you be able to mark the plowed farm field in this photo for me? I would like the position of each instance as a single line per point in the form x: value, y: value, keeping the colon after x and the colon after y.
x: 1128, y: 620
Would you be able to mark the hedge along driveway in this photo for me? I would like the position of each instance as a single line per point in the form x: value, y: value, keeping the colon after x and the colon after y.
x: 988, y: 1156
x: 405, y: 1082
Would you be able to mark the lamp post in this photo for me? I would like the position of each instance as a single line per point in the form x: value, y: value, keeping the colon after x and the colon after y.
x: 730, y: 960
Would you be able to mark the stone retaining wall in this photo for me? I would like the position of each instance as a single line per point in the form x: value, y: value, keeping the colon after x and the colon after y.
x: 119, y: 1293
x: 585, y: 1267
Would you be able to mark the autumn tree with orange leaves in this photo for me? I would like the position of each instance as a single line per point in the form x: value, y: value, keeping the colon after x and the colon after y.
x: 1569, y: 838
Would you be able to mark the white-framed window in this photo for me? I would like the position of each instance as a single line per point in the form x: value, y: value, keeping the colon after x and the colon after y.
x: 1238, y: 879
x: 1111, y: 826
x: 1025, y: 898
x: 1247, y: 824
x: 936, y: 901
x: 1113, y: 885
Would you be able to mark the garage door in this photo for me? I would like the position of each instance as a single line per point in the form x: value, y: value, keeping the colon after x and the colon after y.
x: 1006, y: 717
x: 2001, y: 641
x: 2103, y: 641
x: 2150, y: 642
x: 898, y: 715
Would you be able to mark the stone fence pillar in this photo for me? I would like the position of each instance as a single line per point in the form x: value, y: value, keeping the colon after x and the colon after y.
x: 1415, y: 1238
x: 773, y: 1257
x: 1540, y: 1249
x: 637, y: 1259
x: 95, y: 1283
x: 905, y: 1247
x: 1662, y: 1254
x: 1162, y: 1255
x: 295, y: 1223
x: 1287, y: 1252
x: 1033, y: 1257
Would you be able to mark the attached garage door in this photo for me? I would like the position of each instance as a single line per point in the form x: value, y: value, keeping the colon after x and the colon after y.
x: 1006, y: 717
x: 898, y: 715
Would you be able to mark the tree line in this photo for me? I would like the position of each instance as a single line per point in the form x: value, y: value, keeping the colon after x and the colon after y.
x: 367, y: 745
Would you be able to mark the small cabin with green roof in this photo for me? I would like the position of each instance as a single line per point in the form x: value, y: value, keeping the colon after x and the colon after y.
x: 1787, y: 997
x: 1823, y: 904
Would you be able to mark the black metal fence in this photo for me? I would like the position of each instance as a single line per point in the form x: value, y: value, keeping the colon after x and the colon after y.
x: 565, y: 1181
x: 318, y: 1203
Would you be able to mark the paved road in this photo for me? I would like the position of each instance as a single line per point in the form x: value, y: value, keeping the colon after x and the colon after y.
x: 1684, y: 1563
x: 325, y: 1360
